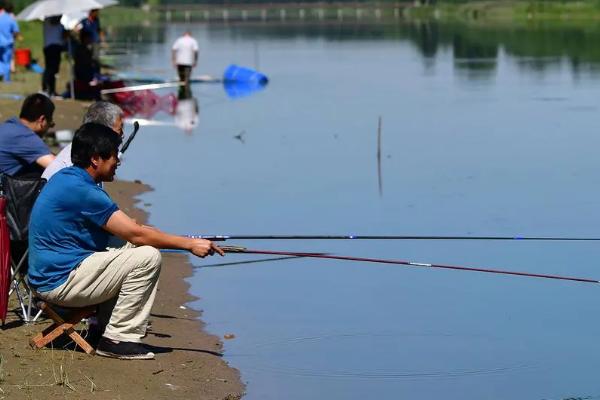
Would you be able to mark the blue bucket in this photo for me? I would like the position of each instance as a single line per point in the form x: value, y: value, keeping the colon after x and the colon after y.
x: 237, y: 89
x: 235, y: 73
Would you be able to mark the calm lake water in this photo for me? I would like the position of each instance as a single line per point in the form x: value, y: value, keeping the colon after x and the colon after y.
x: 485, y: 131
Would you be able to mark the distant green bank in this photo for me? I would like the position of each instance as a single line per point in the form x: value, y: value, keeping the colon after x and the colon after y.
x: 580, y: 14
x: 520, y: 10
x: 499, y: 10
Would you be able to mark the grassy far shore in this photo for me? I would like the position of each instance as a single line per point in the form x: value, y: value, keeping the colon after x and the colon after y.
x: 495, y: 10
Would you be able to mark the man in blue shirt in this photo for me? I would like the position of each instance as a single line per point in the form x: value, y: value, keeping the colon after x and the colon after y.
x: 9, y: 30
x: 91, y: 27
x: 69, y: 265
x: 22, y: 151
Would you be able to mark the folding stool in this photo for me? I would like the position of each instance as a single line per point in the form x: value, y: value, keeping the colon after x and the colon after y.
x: 63, y: 327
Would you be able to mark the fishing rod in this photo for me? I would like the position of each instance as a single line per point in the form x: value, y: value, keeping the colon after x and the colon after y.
x: 387, y: 237
x: 150, y: 86
x: 244, y: 250
x: 238, y: 249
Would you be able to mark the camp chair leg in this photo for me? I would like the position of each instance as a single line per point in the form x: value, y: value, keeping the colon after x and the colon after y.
x: 20, y: 286
x: 21, y: 302
x: 37, y: 315
x: 61, y: 326
x: 16, y: 270
x: 30, y: 318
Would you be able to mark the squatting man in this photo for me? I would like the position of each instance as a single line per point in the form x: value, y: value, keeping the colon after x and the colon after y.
x: 69, y: 264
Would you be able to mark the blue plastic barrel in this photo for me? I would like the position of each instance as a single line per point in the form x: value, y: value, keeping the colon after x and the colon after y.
x: 237, y: 89
x: 235, y: 73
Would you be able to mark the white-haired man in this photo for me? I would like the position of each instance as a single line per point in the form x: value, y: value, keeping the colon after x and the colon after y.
x: 101, y: 112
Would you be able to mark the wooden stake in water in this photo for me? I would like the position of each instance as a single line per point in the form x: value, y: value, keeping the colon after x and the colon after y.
x: 379, y: 178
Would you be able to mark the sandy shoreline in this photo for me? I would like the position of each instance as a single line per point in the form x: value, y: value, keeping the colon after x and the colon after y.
x: 190, y: 365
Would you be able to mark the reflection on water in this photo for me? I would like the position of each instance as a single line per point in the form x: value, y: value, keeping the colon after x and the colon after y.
x: 151, y: 108
x: 187, y: 110
x: 485, y: 130
x: 242, y: 89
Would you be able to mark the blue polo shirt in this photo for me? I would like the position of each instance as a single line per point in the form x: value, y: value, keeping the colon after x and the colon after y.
x: 66, y: 226
x: 92, y: 27
x: 8, y: 28
x: 19, y: 147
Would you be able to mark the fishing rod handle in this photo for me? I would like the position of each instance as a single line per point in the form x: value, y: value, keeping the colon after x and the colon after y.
x: 233, y: 249
x: 212, y: 238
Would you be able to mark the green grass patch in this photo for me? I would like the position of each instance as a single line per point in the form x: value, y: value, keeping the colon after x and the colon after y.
x: 121, y: 16
x: 33, y: 38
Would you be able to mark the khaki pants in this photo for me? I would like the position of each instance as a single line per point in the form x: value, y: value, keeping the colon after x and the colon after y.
x: 121, y: 281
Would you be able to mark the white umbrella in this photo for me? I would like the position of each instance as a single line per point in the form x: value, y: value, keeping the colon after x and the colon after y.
x: 48, y: 8
x: 71, y: 20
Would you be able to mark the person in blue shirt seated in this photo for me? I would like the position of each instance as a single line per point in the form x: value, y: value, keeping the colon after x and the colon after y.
x: 22, y: 150
x: 69, y: 263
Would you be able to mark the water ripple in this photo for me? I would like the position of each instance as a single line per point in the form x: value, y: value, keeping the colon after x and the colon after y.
x: 264, y: 363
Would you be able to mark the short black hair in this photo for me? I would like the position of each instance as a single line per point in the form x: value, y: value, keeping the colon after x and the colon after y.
x: 93, y: 139
x: 35, y: 105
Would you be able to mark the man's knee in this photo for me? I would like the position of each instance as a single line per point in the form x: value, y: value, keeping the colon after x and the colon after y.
x: 151, y: 256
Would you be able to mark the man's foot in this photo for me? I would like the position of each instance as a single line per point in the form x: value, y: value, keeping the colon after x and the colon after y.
x: 94, y: 331
x: 123, y: 350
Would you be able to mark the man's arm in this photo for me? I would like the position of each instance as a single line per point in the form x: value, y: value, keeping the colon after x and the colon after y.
x: 121, y: 225
x: 44, y: 161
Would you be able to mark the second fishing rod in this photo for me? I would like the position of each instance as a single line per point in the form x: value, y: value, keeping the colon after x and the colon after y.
x: 244, y: 250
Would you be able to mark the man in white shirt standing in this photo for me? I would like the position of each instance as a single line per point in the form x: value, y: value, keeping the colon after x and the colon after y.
x: 185, y: 56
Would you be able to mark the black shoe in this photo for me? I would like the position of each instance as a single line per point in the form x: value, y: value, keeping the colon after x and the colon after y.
x: 123, y: 350
x: 94, y: 334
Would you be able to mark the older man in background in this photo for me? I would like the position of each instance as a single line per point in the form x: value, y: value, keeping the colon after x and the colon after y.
x: 101, y: 112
